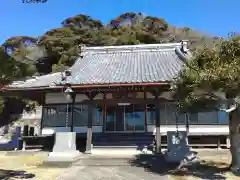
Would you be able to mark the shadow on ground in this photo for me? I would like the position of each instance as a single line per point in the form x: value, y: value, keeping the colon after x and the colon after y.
x: 9, y: 174
x: 157, y: 164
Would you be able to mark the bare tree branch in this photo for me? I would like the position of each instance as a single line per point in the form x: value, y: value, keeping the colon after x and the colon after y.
x: 232, y: 108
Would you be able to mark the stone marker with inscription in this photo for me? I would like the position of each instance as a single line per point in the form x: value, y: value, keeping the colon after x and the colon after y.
x: 178, y: 149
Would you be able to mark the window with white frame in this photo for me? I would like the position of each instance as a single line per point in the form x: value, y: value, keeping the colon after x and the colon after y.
x: 223, y: 117
x: 170, y: 113
x: 208, y: 117
x: 193, y: 118
x: 97, y: 115
x: 60, y: 115
x: 181, y: 118
x: 56, y: 116
x: 151, y: 113
x: 80, y: 115
x: 162, y: 107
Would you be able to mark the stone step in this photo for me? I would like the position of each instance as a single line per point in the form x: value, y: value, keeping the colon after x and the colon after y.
x: 135, y: 144
x: 123, y: 140
x: 121, y: 144
x: 125, y: 135
x: 120, y: 137
x: 113, y: 154
x: 115, y: 147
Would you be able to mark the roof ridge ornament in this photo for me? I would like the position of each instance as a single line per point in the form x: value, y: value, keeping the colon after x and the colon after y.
x: 82, y: 50
x: 134, y: 47
x: 184, y: 44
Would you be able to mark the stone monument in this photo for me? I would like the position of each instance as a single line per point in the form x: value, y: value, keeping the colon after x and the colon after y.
x: 178, y: 150
x: 64, y: 149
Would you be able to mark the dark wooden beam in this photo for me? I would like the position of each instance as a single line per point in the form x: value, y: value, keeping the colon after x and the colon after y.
x: 41, y: 123
x: 72, y: 110
x: 99, y: 89
x: 91, y: 94
x: 104, y: 112
x: 158, y: 135
x: 42, y: 98
x: 104, y: 106
x: 145, y: 111
x: 157, y: 91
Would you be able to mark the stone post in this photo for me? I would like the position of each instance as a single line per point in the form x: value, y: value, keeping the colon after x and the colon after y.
x: 89, y: 131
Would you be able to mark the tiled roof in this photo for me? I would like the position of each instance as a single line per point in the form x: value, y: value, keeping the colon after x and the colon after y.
x: 120, y: 64
x: 41, y: 81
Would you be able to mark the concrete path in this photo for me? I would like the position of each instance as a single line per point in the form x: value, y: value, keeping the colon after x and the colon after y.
x: 109, y: 172
x: 114, y: 165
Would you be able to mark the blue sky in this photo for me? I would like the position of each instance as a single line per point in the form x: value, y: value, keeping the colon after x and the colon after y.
x: 216, y: 17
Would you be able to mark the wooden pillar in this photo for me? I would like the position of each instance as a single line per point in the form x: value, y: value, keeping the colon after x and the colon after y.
x: 145, y: 111
x: 158, y: 135
x: 157, y: 122
x: 89, y: 131
x: 43, y: 97
x: 72, y: 110
x: 103, y: 117
x: 104, y: 113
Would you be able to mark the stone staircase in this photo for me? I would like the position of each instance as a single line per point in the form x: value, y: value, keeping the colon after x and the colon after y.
x: 123, y: 140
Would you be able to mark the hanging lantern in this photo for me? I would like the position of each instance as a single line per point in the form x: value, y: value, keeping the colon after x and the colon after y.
x: 68, y: 94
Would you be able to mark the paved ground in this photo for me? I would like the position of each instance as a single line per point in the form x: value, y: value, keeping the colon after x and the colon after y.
x: 110, y: 173
x: 109, y: 169
x: 108, y: 166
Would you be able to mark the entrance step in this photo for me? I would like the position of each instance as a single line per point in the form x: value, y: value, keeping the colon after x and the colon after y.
x: 117, y: 152
x: 116, y: 147
x: 135, y: 140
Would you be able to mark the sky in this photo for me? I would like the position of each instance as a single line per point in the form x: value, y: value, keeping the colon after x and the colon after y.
x: 214, y: 17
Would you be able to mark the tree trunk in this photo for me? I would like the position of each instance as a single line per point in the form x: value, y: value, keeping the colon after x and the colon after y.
x: 234, y: 133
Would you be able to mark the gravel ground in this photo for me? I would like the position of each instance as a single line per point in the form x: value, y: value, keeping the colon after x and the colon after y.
x: 213, y: 165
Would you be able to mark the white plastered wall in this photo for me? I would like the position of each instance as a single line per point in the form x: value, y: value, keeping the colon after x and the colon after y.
x: 198, y: 130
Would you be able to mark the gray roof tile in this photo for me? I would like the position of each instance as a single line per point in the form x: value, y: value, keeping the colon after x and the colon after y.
x: 105, y: 65
x: 41, y: 81
x: 126, y: 67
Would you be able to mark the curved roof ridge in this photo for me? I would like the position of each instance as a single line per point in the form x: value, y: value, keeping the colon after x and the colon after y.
x: 130, y: 51
x: 134, y: 47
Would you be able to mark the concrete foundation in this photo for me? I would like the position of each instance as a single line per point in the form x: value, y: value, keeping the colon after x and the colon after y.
x: 64, y: 149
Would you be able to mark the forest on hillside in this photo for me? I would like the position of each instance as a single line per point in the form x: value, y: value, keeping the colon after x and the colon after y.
x: 58, y: 48
x: 23, y: 56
